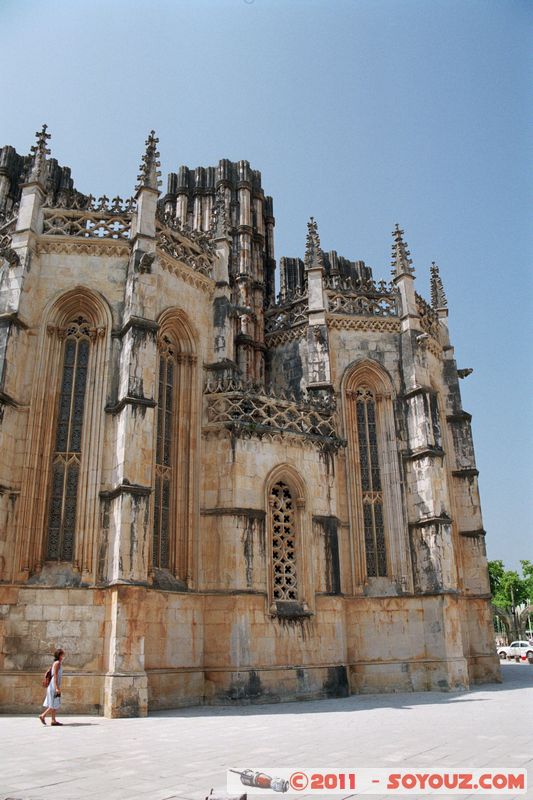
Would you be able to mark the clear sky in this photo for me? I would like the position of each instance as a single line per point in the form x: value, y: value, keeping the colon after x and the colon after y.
x: 362, y: 113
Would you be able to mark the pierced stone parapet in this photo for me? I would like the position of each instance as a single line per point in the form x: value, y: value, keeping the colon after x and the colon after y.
x: 348, y: 296
x: 7, y: 226
x: 201, y: 238
x: 284, y: 298
x: 250, y: 407
x: 361, y: 297
x: 289, y: 315
x: 76, y: 201
x: 429, y: 320
x: 362, y: 305
x: 192, y: 252
x: 86, y: 224
x: 8, y: 220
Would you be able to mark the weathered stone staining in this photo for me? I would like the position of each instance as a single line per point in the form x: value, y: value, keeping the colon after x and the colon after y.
x: 210, y: 493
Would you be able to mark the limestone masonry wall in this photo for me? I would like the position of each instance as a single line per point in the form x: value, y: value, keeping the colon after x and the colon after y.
x: 210, y: 493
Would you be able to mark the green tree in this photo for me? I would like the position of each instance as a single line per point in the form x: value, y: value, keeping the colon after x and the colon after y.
x: 527, y: 572
x: 512, y: 596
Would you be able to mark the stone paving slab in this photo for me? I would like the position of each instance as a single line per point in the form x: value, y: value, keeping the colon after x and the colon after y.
x: 182, y: 754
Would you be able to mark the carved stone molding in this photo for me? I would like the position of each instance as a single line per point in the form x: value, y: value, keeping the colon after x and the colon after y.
x: 382, y: 325
x: 186, y: 274
x: 276, y: 339
x: 74, y: 246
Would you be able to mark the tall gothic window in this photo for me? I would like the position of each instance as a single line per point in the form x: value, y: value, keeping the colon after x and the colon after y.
x: 371, y: 488
x: 164, y: 458
x: 285, y: 586
x: 66, y: 458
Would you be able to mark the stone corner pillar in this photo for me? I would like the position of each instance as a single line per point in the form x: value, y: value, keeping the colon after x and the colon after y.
x: 126, y: 682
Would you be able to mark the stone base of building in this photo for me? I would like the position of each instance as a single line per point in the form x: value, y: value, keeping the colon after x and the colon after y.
x: 134, y: 649
x: 133, y: 695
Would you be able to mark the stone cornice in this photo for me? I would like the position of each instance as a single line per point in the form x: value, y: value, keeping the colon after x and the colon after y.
x: 276, y: 338
x: 465, y: 472
x: 461, y: 416
x: 129, y: 401
x: 7, y: 400
x: 424, y: 452
x: 12, y: 318
x: 186, y: 274
x: 380, y: 324
x: 473, y: 534
x: 416, y: 390
x: 254, y: 513
x: 425, y: 523
x: 126, y: 488
x: 72, y: 245
x: 140, y: 323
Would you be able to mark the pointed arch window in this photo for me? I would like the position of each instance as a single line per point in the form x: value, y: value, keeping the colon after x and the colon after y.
x: 284, y: 545
x: 164, y: 456
x: 66, y: 458
x: 370, y: 480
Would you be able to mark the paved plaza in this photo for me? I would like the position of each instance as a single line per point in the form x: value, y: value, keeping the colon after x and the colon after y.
x: 184, y: 753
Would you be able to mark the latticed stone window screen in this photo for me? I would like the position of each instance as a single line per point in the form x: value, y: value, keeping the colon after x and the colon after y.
x: 371, y: 488
x: 67, y: 450
x: 164, y: 456
x: 283, y: 543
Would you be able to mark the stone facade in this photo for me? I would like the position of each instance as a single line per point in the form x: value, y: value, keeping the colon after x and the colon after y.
x: 210, y: 493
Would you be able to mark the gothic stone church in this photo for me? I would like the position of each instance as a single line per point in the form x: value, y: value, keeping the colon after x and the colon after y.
x: 211, y: 492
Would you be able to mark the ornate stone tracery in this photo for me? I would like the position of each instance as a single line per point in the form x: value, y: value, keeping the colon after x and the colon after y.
x: 285, y: 583
x: 176, y: 435
x: 59, y: 493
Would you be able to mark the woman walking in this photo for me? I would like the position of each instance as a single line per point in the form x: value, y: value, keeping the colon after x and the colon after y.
x: 52, y: 701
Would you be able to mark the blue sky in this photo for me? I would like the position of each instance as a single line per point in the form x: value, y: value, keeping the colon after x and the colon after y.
x: 362, y: 113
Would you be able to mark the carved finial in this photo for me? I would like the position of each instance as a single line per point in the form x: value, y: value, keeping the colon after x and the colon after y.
x: 314, y: 258
x: 148, y: 176
x: 39, y: 152
x: 438, y: 295
x: 401, y: 263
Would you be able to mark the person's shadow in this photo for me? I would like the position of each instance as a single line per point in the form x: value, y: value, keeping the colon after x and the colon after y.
x: 78, y: 724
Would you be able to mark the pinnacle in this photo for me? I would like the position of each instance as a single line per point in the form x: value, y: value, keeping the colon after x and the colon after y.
x: 313, y: 254
x: 39, y: 151
x: 401, y: 262
x: 438, y: 295
x: 148, y: 171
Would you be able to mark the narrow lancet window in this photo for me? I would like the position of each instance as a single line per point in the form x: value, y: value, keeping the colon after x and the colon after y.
x: 283, y: 543
x: 164, y: 456
x: 66, y: 458
x: 372, y: 493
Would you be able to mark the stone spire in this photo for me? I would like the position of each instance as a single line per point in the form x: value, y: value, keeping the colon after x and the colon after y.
x: 148, y: 171
x: 314, y: 258
x: 438, y: 295
x: 401, y: 263
x: 39, y: 152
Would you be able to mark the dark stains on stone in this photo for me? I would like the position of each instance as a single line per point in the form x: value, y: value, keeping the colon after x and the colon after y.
x: 61, y: 575
x: 285, y: 367
x: 103, y: 543
x: 425, y: 573
x: 328, y: 528
x: 336, y: 684
x: 254, y: 527
x: 245, y: 691
x: 163, y: 579
x: 221, y: 311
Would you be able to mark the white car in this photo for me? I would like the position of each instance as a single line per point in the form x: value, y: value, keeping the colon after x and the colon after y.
x: 519, y: 648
